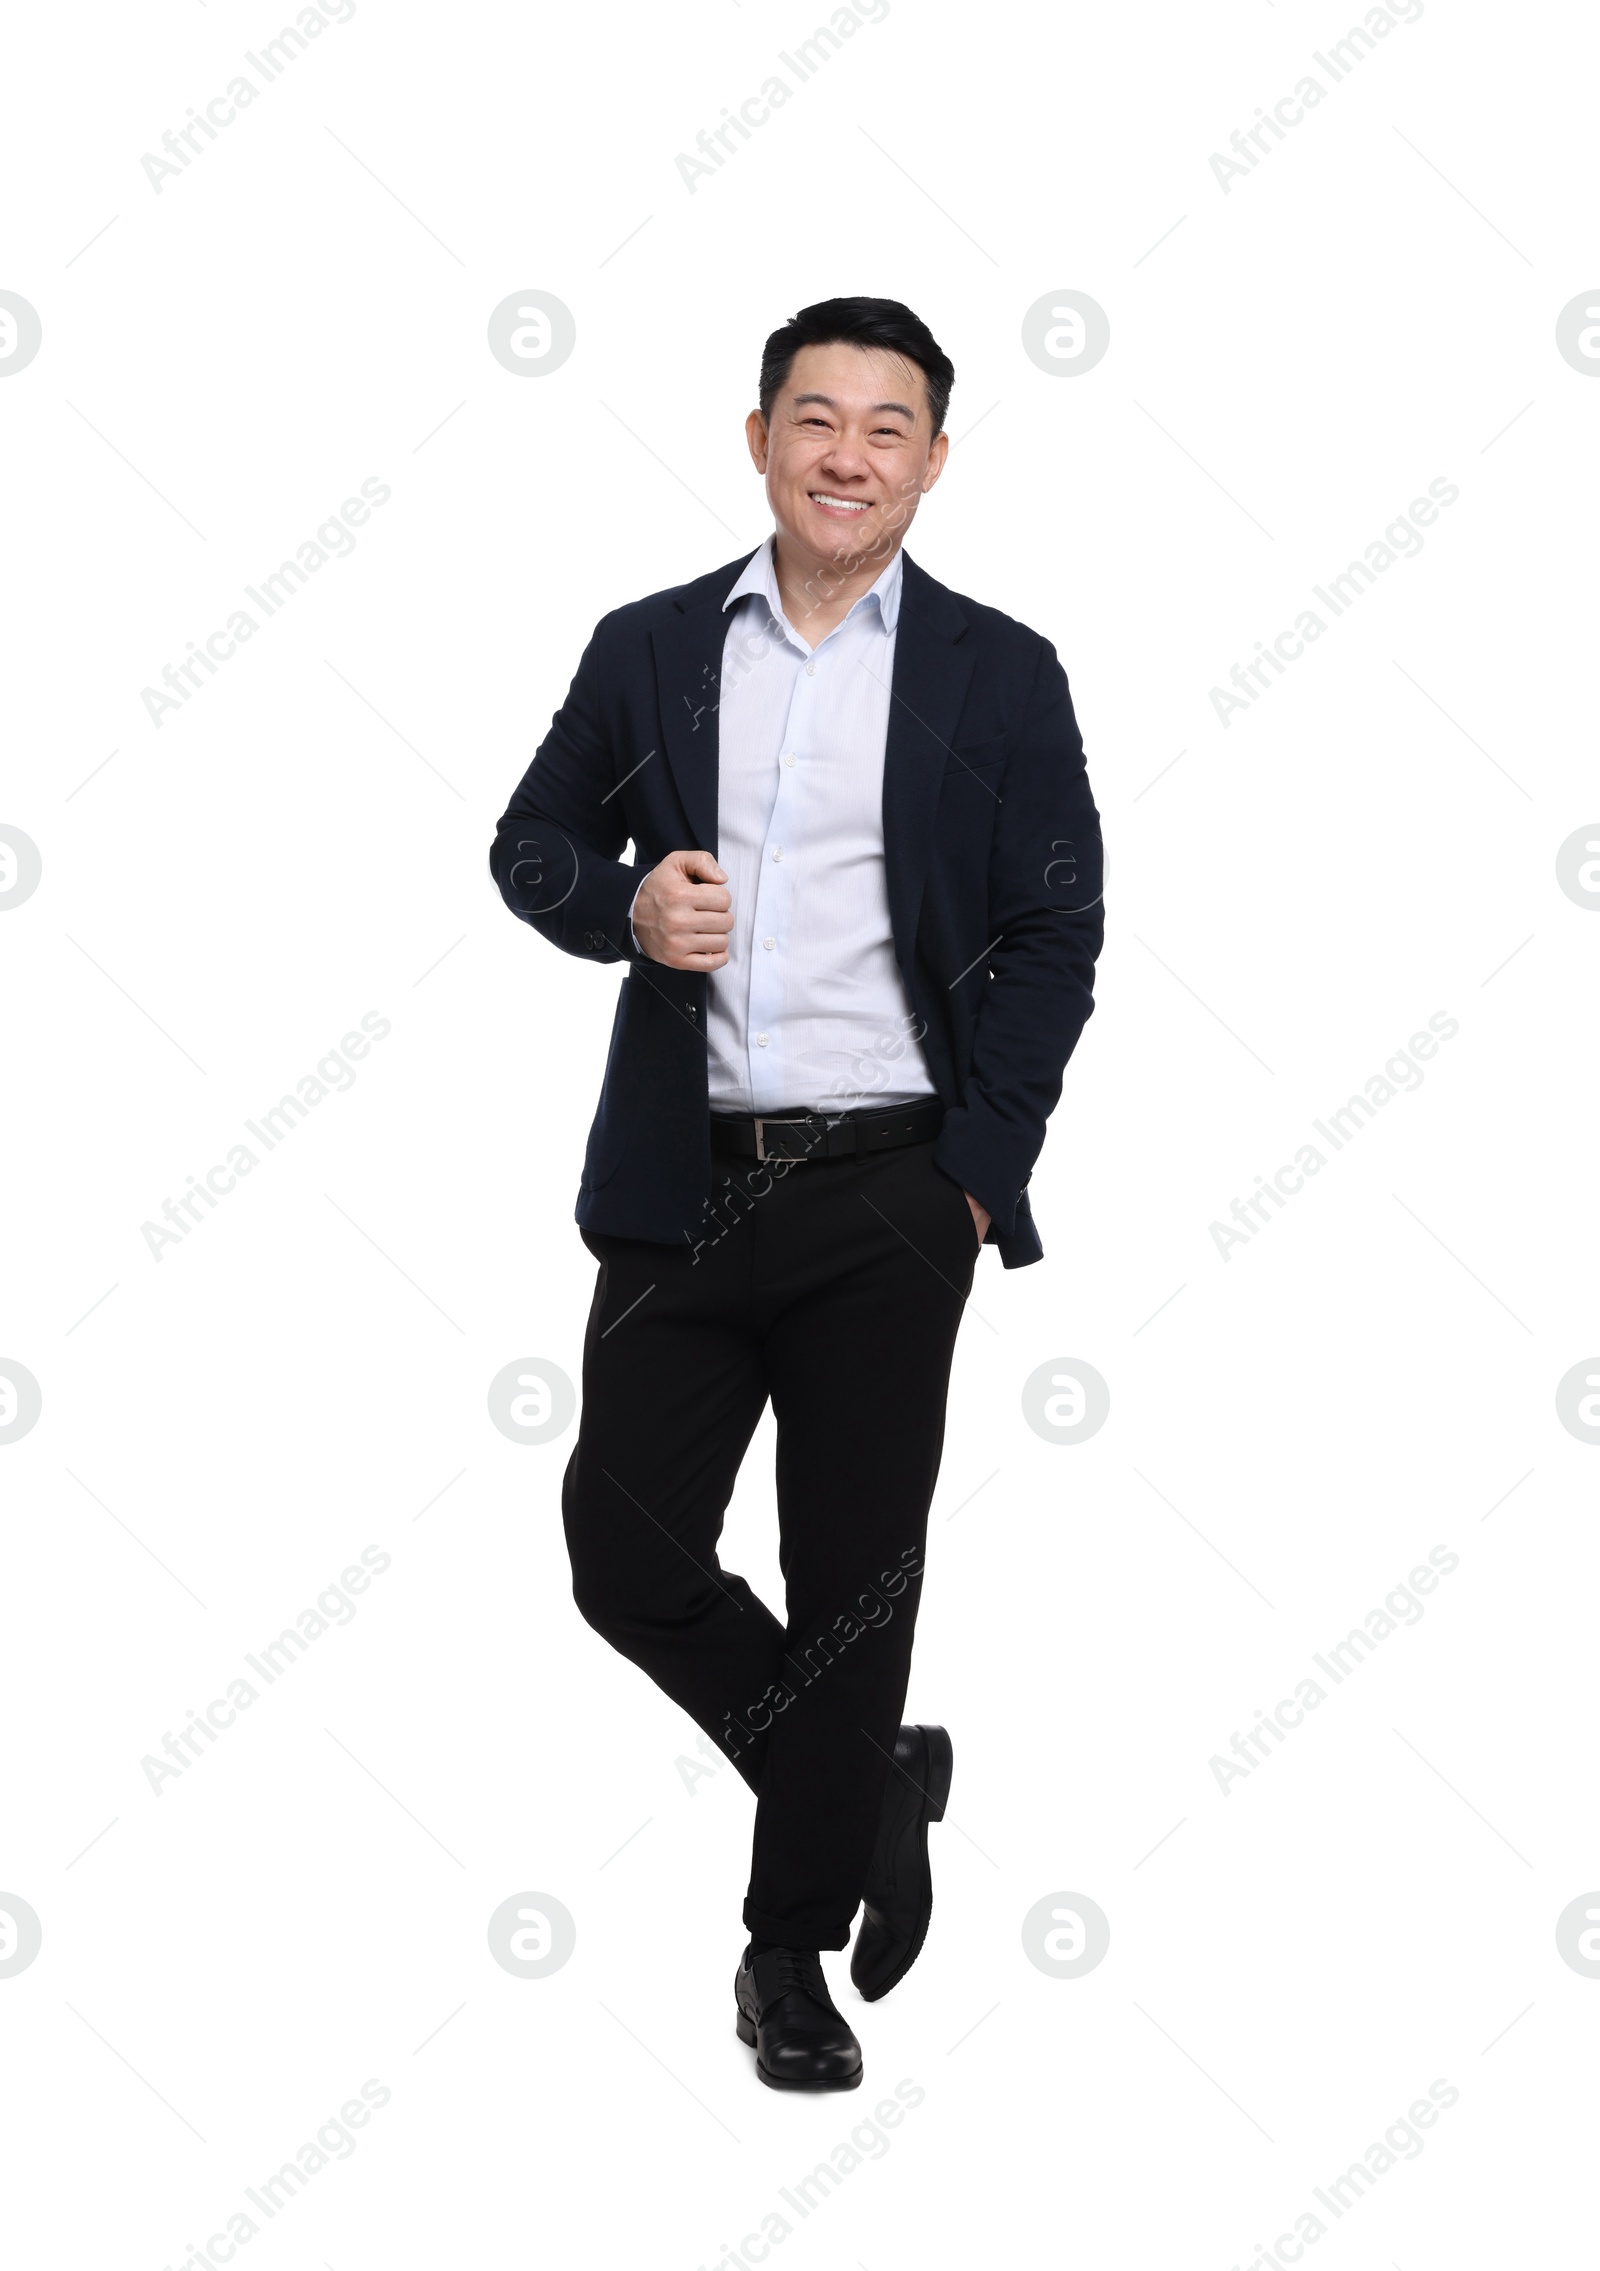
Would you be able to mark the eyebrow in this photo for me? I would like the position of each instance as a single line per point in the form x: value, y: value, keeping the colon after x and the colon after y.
x: 828, y: 402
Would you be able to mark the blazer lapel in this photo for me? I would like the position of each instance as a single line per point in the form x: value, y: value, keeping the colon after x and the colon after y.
x: 933, y: 664
x: 688, y: 658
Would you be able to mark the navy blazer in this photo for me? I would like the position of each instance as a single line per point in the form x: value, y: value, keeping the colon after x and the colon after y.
x: 993, y: 860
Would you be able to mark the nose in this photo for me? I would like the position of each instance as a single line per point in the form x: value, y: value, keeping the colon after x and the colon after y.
x: 847, y: 460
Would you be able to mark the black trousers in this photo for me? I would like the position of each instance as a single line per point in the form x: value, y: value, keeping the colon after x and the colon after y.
x: 834, y: 1287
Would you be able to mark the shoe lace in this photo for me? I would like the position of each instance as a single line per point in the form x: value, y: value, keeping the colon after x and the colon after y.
x: 795, y: 1968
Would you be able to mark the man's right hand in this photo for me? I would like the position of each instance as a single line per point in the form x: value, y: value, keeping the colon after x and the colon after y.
x: 682, y: 913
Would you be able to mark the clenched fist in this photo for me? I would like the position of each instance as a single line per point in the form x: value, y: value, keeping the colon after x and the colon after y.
x: 682, y: 914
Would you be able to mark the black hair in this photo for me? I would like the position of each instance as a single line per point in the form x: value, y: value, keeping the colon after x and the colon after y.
x: 888, y: 324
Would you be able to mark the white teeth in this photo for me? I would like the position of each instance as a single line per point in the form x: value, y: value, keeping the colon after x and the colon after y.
x: 841, y: 504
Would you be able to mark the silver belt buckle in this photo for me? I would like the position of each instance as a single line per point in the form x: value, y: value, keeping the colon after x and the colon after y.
x: 761, y: 1140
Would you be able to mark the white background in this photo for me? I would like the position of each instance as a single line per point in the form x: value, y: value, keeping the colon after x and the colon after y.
x: 1291, y: 1429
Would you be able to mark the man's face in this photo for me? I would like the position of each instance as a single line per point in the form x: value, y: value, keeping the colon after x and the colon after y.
x: 848, y: 453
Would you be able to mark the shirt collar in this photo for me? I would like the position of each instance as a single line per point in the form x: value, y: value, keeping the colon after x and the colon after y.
x: 759, y: 578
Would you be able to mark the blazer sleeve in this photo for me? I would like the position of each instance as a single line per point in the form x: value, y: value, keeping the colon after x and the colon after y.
x: 1047, y: 919
x: 555, y: 855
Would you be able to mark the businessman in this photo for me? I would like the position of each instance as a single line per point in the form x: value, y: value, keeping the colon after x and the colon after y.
x: 859, y: 925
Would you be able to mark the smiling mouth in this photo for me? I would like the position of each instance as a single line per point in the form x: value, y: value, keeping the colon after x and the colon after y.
x: 829, y: 503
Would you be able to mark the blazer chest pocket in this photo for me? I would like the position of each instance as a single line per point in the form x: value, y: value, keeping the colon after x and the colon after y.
x: 980, y: 757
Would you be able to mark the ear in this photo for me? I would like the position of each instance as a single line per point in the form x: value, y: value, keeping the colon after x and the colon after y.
x: 938, y: 451
x: 755, y: 433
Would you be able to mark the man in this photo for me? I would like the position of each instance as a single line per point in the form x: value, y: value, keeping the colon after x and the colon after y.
x: 860, y: 927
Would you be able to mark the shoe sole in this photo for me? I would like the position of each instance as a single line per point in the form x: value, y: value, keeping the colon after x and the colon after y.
x: 746, y: 2031
x: 941, y: 1768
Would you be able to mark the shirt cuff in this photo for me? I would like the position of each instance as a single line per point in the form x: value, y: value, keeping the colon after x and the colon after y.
x: 633, y: 934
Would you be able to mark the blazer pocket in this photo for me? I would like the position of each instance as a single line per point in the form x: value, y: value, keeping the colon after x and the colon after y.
x: 980, y: 757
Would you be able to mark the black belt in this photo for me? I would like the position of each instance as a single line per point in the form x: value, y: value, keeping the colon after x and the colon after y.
x: 825, y: 1135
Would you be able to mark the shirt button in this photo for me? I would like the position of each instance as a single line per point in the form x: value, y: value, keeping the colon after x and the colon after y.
x: 769, y: 942
x: 761, y: 1040
x: 777, y: 851
x: 789, y: 760
x: 811, y: 670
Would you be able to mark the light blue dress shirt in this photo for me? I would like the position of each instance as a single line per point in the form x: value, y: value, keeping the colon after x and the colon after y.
x: 810, y: 1011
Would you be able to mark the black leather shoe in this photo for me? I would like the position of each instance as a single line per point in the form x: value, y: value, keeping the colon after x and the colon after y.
x: 897, y: 1902
x: 787, y: 2016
